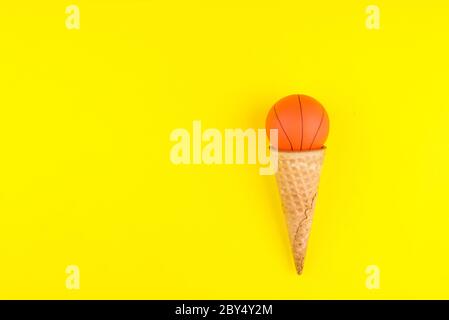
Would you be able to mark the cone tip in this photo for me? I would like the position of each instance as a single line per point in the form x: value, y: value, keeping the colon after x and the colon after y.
x: 299, y: 267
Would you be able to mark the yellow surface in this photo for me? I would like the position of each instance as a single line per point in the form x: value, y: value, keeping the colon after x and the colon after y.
x: 85, y: 176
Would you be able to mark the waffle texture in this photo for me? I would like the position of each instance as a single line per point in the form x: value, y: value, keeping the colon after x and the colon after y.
x: 298, y: 177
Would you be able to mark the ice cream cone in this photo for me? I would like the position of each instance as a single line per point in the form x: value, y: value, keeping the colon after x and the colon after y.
x: 298, y: 177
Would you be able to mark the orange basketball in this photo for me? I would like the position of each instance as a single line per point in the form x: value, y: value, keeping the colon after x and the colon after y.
x: 301, y: 121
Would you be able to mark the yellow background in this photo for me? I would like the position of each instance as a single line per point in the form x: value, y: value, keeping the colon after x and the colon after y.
x: 85, y: 176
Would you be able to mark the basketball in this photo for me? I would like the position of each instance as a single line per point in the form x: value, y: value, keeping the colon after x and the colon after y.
x: 301, y: 121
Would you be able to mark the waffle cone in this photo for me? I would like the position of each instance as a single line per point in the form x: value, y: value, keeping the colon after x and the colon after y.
x: 298, y: 177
